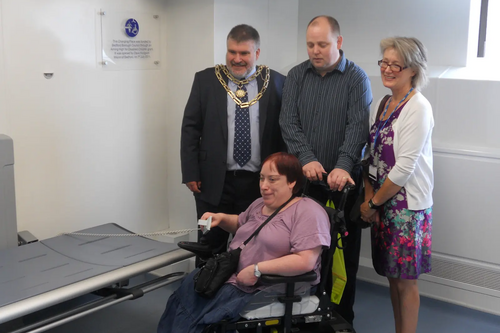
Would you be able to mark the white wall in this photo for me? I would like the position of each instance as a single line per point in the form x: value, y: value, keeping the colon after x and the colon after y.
x: 95, y: 146
x: 441, y: 25
x: 4, y: 120
x: 90, y: 145
x: 190, y: 39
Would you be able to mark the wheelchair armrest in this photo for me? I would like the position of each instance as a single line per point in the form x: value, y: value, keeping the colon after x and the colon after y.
x: 275, y: 279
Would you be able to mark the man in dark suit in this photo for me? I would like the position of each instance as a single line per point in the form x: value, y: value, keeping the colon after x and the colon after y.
x: 230, y: 125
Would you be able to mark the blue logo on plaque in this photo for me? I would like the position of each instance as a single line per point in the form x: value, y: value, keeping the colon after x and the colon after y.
x: 131, y: 27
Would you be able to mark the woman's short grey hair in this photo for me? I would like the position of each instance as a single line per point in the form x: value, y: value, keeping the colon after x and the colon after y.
x: 414, y: 55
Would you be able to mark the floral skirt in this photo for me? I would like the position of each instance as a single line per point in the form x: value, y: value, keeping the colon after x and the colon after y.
x: 401, y: 243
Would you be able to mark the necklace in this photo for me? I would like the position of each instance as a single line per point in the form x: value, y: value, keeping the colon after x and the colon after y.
x: 244, y: 81
x: 379, y: 129
x: 240, y: 93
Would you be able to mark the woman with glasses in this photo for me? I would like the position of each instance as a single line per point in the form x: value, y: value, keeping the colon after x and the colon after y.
x: 399, y: 177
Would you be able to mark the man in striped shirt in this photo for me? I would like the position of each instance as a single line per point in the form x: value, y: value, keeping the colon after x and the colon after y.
x: 324, y: 122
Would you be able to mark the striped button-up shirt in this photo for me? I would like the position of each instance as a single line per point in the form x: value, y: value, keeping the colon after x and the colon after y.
x: 325, y: 118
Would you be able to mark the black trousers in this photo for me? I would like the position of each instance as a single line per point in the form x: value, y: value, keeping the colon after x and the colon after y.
x: 241, y: 188
x: 352, y: 244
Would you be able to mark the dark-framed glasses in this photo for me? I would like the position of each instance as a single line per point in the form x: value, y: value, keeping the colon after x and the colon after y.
x: 395, y: 68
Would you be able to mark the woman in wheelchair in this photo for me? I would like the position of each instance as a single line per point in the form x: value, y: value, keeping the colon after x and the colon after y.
x: 290, y: 244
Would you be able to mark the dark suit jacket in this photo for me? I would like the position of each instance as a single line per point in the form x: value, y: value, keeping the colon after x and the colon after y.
x: 204, y: 131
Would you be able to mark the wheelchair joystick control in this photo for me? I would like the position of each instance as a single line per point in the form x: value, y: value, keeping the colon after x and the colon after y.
x: 206, y: 224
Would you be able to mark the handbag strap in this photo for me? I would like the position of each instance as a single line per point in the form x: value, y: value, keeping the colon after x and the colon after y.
x: 265, y: 222
x: 382, y: 105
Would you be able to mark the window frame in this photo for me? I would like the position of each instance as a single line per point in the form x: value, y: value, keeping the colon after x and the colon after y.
x: 483, y: 21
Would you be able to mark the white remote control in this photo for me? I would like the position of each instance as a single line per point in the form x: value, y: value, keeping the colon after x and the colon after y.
x: 206, y: 223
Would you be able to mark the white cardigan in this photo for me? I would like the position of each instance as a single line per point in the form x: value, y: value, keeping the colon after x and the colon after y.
x: 413, y: 151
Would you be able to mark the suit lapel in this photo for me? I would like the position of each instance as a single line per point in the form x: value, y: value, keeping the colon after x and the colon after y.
x: 221, y: 104
x: 263, y: 102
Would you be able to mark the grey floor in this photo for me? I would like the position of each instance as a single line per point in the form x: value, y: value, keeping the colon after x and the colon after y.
x: 373, y: 315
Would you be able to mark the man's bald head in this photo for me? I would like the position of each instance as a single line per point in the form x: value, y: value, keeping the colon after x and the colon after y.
x: 334, y: 24
x: 323, y: 43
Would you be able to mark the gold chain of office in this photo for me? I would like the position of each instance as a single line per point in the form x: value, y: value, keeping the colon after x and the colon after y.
x: 240, y: 83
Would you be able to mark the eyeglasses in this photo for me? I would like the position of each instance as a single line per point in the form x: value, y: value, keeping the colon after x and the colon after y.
x: 395, y: 68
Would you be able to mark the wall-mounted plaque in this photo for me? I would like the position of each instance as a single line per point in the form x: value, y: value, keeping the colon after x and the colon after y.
x: 130, y: 40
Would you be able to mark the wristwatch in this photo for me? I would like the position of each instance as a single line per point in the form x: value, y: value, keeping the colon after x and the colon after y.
x: 256, y: 271
x: 372, y: 205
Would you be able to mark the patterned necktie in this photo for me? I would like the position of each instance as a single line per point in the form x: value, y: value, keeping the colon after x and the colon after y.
x: 242, y: 141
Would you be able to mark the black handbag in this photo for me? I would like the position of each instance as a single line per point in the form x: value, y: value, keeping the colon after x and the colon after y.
x: 215, y: 272
x: 218, y: 269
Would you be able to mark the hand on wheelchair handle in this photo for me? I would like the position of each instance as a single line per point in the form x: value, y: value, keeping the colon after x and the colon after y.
x: 324, y: 183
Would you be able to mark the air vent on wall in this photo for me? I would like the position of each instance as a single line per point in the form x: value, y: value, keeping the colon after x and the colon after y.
x: 465, y: 271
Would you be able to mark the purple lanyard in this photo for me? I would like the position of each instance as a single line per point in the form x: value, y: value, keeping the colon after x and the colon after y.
x: 383, y: 115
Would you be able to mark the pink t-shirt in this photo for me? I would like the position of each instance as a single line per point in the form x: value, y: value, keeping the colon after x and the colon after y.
x: 302, y: 226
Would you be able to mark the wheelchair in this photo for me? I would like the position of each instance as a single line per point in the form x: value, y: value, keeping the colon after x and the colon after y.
x: 297, y: 313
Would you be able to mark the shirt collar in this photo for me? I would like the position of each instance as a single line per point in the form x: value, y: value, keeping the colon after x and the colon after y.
x: 341, y: 65
x: 252, y: 72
